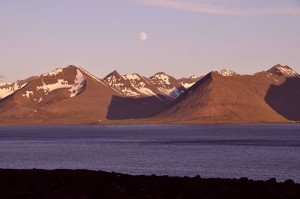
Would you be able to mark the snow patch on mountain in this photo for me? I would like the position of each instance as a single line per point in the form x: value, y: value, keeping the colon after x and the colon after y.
x: 3, y: 83
x: 187, y: 85
x: 59, y: 83
x: 121, y: 84
x: 132, y: 77
x: 140, y: 84
x: 8, y: 89
x: 27, y: 94
x: 79, y: 83
x: 51, y: 87
x: 41, y: 98
x: 226, y: 72
x: 114, y: 81
x: 162, y: 78
x: 137, y: 85
x: 129, y: 92
x: 54, y: 72
x: 146, y: 91
x: 189, y: 82
x: 283, y: 71
x: 288, y: 72
x: 167, y: 85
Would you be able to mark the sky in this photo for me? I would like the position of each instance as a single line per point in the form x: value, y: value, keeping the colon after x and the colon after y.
x: 179, y: 37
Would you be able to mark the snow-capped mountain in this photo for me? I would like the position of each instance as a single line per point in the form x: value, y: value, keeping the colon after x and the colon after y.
x: 71, y: 82
x: 161, y: 85
x: 142, y: 84
x: 63, y: 82
x: 284, y: 71
x: 73, y: 95
x: 120, y: 84
x: 226, y: 72
x: 167, y: 85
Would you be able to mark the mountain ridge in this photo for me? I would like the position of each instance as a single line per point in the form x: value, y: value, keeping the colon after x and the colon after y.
x: 73, y: 95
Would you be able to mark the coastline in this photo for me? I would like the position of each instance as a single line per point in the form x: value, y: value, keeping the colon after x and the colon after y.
x: 36, y: 183
x: 135, y: 122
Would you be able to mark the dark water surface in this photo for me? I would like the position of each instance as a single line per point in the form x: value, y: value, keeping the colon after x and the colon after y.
x: 229, y: 151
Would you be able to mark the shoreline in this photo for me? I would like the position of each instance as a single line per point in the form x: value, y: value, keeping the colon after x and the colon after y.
x: 142, y: 124
x: 63, y: 183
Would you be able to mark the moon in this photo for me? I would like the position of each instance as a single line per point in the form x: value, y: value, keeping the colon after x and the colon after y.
x: 143, y: 36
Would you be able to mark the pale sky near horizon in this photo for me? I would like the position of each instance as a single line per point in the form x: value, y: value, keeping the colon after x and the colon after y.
x: 184, y: 37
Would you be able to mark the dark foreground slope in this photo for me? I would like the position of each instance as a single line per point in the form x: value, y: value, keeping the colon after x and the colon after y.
x: 94, y: 184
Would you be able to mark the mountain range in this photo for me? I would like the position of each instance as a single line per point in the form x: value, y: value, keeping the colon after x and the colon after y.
x: 72, y: 95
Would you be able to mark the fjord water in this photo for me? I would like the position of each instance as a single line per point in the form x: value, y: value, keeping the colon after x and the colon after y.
x: 226, y: 151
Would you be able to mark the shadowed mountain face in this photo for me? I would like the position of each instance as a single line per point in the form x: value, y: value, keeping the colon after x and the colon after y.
x: 72, y: 95
x: 285, y: 98
x: 122, y: 108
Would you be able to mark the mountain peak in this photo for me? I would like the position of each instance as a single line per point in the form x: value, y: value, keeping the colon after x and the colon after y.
x: 285, y: 71
x: 161, y: 77
x: 114, y: 73
x: 60, y: 70
x: 73, y: 68
x: 281, y: 66
x: 160, y: 74
x: 226, y: 72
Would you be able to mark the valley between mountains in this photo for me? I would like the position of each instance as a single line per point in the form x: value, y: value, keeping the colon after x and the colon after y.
x: 72, y: 95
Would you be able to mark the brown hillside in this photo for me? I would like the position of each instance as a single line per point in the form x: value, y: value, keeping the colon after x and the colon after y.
x: 238, y: 98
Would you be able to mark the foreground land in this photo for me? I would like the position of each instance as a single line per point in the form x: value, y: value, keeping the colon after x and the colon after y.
x: 96, y: 184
